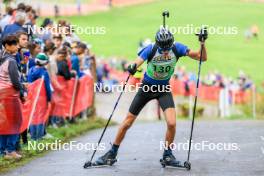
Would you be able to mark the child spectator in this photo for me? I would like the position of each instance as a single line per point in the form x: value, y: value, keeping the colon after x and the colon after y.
x: 36, y: 72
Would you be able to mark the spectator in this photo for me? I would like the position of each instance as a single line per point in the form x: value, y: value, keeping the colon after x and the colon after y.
x: 22, y: 39
x: 57, y: 39
x: 46, y: 29
x: 243, y: 81
x: 20, y: 19
x: 70, y: 36
x: 89, y: 63
x: 35, y: 49
x: 31, y: 21
x: 49, y: 51
x: 36, y: 72
x: 6, y: 20
x: 9, y: 76
x: 63, y: 68
x: 21, y: 7
x: 78, y: 50
x: 22, y: 54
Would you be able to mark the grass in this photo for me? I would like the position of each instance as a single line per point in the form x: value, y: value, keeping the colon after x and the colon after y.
x: 63, y: 134
x: 227, y: 53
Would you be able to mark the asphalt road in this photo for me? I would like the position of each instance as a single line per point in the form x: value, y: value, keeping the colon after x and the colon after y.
x: 140, y: 153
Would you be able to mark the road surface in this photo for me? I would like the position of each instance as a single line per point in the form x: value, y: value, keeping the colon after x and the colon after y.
x: 140, y: 153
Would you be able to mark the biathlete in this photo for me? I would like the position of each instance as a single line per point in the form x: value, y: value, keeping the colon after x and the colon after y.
x: 161, y: 59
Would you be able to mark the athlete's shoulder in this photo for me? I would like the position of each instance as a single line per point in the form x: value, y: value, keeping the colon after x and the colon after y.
x: 146, y: 51
x: 182, y: 49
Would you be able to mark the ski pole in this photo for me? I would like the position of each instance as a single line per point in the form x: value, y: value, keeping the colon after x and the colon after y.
x: 195, y: 103
x: 165, y: 14
x: 89, y: 163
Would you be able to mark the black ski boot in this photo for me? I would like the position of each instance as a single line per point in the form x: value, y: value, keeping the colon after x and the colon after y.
x: 109, y: 158
x: 169, y: 160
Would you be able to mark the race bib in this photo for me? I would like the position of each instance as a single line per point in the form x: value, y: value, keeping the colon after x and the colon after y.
x: 161, y: 67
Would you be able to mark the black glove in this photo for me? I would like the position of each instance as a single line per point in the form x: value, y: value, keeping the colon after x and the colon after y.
x: 132, y: 69
x: 203, y: 35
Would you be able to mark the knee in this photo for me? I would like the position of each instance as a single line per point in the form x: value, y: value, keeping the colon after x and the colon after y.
x: 171, y: 125
x: 128, y: 122
x: 127, y: 125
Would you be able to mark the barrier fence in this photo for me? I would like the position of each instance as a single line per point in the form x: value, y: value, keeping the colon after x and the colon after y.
x: 36, y: 110
x: 207, y: 93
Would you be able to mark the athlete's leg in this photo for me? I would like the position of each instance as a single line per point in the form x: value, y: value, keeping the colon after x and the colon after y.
x: 170, y: 116
x: 125, y: 125
x: 137, y: 104
x: 167, y: 105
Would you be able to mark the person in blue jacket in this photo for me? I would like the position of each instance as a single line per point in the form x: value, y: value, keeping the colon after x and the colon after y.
x: 36, y: 72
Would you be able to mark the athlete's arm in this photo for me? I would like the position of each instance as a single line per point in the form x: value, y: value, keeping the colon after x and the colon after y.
x: 139, y: 61
x: 196, y: 54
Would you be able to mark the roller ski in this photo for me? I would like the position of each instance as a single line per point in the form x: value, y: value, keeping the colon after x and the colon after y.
x: 107, y: 159
x: 170, y: 161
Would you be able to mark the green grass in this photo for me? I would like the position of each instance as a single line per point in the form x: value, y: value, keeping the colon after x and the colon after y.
x: 63, y: 133
x: 227, y: 53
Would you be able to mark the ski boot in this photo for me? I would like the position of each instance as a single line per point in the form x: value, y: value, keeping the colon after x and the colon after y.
x: 108, y: 159
x: 170, y: 160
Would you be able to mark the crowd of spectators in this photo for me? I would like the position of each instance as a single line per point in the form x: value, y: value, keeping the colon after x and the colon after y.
x: 241, y: 83
x: 29, y: 52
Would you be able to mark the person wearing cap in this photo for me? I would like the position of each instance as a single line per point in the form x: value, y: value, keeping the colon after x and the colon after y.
x: 78, y: 49
x: 36, y: 72
x: 40, y: 70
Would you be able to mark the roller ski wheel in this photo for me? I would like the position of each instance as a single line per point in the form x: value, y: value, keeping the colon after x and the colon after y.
x: 187, y: 165
x: 162, y: 162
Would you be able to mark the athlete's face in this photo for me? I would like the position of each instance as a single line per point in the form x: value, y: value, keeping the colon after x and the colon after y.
x: 165, y: 53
